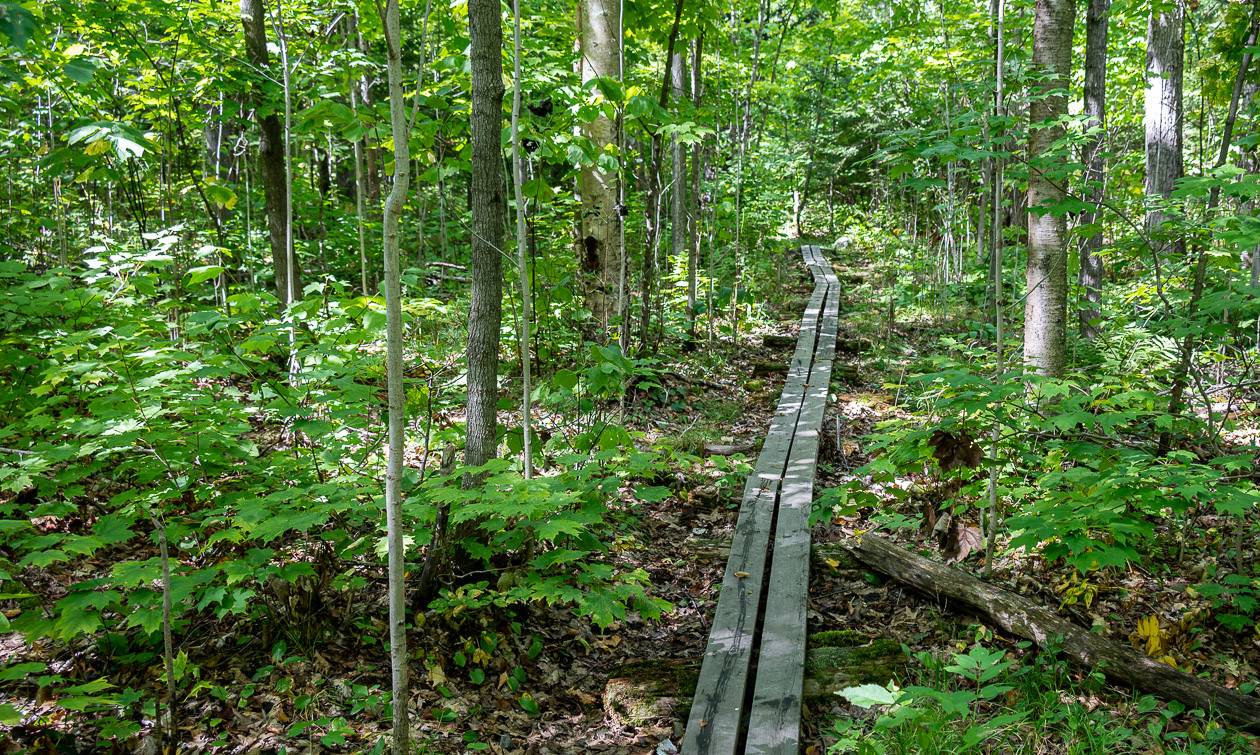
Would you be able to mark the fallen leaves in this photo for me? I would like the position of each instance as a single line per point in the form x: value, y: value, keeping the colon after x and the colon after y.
x: 956, y: 539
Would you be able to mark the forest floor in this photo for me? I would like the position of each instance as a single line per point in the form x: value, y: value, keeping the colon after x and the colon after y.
x: 625, y: 689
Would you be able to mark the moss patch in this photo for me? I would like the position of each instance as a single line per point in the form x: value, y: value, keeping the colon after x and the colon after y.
x: 643, y: 692
x: 842, y: 658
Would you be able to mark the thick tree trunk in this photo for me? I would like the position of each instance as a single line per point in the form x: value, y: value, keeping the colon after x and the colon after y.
x: 1181, y: 377
x: 1045, y: 303
x: 485, y: 312
x: 1165, y: 65
x: 1092, y: 271
x: 599, y: 40
x: 271, y: 156
x: 1020, y: 616
x: 392, y: 216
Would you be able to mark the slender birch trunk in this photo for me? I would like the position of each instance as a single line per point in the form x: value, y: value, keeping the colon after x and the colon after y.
x: 678, y: 192
x: 522, y: 246
x: 396, y: 396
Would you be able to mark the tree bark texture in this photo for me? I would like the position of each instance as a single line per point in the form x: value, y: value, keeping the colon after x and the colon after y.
x: 678, y: 190
x: 1045, y: 302
x: 1181, y: 377
x: 599, y: 29
x: 270, y: 153
x: 485, y: 312
x: 1021, y: 616
x: 396, y: 397
x: 1092, y: 270
x: 697, y: 166
x: 1163, y: 112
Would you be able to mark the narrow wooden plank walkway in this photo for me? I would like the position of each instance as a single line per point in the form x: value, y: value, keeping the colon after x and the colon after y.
x: 748, y: 698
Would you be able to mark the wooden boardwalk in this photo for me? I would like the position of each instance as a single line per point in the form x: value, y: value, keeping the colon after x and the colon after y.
x: 748, y: 698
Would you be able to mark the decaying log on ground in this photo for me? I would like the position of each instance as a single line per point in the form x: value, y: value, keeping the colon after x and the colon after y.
x: 1033, y: 621
x: 774, y: 341
x: 640, y: 693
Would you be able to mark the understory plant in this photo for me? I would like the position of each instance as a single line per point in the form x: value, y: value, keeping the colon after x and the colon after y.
x: 1080, y: 480
x: 987, y: 700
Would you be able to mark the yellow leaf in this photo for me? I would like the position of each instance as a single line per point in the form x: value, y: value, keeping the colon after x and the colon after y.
x: 437, y: 675
x: 1148, y: 631
x: 1169, y: 660
x: 833, y: 563
x: 741, y: 574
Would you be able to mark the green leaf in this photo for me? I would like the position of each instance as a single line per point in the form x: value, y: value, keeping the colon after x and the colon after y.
x: 869, y: 695
x: 653, y: 494
x: 80, y: 70
x: 220, y: 195
x: 20, y: 671
x: 566, y: 379
x: 201, y: 274
x: 9, y: 716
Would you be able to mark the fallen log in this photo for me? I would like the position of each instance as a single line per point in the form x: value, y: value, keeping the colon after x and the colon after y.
x: 775, y: 341
x: 1021, y: 616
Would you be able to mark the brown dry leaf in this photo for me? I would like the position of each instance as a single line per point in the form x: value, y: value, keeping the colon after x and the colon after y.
x: 962, y: 540
x: 955, y: 451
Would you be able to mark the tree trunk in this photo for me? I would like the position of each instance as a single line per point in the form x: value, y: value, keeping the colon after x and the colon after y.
x: 485, y: 312
x: 1181, y: 376
x: 1091, y: 275
x: 1165, y: 65
x: 1045, y: 305
x: 522, y: 248
x: 1020, y: 616
x: 678, y: 195
x: 693, y: 227
x: 652, y: 171
x: 394, y: 380
x: 599, y: 39
x: 271, y: 155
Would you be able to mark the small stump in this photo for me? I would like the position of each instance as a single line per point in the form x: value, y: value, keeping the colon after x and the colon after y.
x: 644, y: 692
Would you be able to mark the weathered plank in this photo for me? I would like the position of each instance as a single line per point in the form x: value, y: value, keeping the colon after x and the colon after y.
x: 774, y: 717
x: 720, y: 713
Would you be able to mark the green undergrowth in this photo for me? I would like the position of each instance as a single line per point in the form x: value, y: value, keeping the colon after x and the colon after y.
x: 989, y: 700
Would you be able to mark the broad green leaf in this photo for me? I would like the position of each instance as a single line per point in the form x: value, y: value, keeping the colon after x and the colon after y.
x: 869, y: 695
